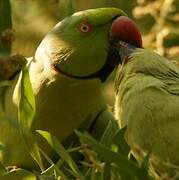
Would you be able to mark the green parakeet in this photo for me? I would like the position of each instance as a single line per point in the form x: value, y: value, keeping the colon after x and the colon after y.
x: 147, y: 102
x: 67, y: 74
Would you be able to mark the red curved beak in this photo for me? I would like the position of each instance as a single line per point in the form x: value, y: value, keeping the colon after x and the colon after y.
x: 124, y: 29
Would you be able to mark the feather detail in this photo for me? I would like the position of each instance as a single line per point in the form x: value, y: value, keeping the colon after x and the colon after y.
x: 147, y: 102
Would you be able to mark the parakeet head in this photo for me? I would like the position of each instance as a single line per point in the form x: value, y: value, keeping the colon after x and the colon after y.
x: 79, y: 46
x: 125, y: 37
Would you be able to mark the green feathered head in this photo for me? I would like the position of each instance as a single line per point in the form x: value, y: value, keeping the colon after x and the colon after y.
x: 79, y: 46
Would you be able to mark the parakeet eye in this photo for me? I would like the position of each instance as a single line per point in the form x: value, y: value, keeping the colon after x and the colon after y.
x: 85, y: 27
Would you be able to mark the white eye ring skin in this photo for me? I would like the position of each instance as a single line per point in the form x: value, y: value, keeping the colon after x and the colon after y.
x: 85, y: 27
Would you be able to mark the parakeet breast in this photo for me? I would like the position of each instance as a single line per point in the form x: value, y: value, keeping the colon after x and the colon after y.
x: 71, y: 102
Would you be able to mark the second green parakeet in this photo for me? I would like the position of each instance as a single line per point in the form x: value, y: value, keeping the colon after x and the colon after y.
x: 147, y: 102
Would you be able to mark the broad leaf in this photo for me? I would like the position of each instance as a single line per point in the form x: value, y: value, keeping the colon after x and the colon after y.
x: 26, y: 113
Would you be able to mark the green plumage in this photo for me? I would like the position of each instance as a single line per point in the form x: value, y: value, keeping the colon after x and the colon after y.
x: 147, y: 103
x: 63, y: 102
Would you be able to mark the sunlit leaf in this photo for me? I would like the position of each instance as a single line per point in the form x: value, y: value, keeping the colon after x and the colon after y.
x: 26, y: 113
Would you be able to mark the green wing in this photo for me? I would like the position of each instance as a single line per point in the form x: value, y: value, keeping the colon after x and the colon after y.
x: 148, y: 103
x: 158, y: 67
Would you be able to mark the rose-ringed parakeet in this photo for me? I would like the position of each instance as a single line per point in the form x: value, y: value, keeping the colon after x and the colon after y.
x: 147, y: 102
x: 67, y: 74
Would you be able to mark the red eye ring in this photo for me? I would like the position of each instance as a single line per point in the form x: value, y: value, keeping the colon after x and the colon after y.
x: 85, y: 27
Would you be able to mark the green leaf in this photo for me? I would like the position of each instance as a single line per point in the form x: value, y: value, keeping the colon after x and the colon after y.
x: 19, y: 174
x: 125, y: 166
x: 27, y: 101
x: 57, y: 146
x: 26, y: 113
